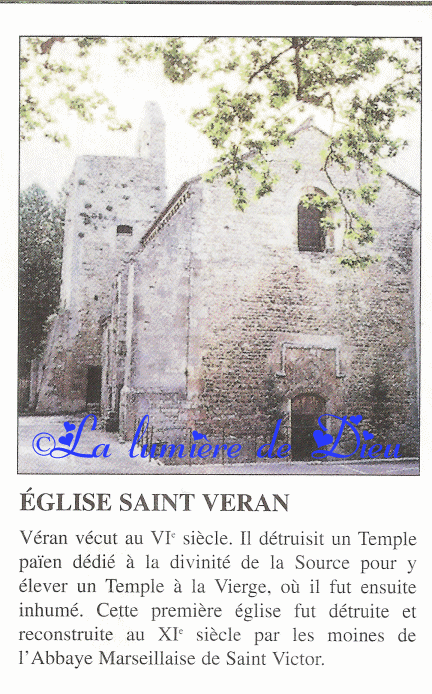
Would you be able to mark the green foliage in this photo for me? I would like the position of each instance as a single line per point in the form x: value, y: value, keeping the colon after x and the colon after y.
x: 54, y: 71
x: 267, y: 84
x: 259, y: 91
x: 359, y: 261
x: 39, y: 268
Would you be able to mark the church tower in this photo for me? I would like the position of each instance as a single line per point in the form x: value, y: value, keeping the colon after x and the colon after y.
x: 111, y: 201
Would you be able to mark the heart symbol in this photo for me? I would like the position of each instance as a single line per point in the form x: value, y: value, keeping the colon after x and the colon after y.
x: 322, y: 439
x: 198, y: 437
x: 356, y: 419
x: 367, y: 436
x: 66, y: 439
x: 68, y: 427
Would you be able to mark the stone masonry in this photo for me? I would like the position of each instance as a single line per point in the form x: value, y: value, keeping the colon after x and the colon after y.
x: 111, y: 201
x: 205, y: 317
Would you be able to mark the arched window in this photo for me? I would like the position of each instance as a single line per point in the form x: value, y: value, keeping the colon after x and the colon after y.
x: 311, y: 236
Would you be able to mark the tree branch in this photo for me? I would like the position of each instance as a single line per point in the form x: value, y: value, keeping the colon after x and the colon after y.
x: 297, y: 46
x: 271, y: 62
x: 48, y: 44
x: 330, y: 180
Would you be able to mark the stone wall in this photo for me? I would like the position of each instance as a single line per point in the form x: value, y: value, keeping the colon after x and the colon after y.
x: 209, y: 318
x: 157, y: 324
x: 106, y: 195
x: 265, y: 322
x: 258, y: 300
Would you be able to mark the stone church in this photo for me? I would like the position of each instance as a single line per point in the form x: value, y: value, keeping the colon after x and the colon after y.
x: 212, y: 319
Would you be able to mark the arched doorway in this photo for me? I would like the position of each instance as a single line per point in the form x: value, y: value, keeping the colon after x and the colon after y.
x: 305, y: 410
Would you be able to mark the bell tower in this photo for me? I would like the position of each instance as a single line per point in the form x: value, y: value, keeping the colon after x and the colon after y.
x: 112, y: 201
x: 150, y: 144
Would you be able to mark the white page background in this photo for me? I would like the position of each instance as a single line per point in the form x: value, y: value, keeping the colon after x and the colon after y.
x: 325, y: 504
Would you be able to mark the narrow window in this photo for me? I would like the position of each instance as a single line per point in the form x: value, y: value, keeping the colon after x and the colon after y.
x: 124, y: 229
x: 310, y: 234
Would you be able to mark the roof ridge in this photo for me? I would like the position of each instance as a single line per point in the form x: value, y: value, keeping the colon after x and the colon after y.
x: 309, y: 122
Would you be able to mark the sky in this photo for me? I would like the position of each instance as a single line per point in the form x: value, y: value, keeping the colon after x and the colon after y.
x: 188, y: 152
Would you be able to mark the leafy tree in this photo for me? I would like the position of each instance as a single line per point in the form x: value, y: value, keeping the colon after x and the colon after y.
x: 68, y: 80
x: 39, y: 269
x: 259, y: 91
x: 275, y: 80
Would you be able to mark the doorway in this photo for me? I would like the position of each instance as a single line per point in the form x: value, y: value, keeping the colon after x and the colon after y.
x: 94, y: 387
x: 305, y: 410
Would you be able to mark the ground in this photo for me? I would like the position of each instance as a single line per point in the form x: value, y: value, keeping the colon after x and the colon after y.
x: 120, y: 463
